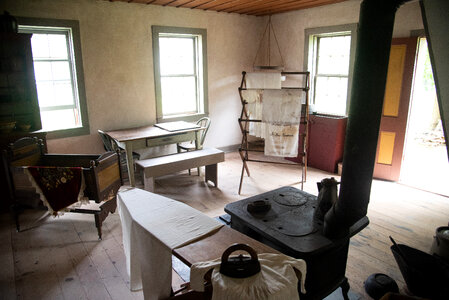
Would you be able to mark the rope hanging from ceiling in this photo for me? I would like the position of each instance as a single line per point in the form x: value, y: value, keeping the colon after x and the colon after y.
x: 267, y: 35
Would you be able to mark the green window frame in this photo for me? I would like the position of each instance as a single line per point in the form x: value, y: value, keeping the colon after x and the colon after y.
x: 181, y: 92
x: 313, y: 39
x: 78, y: 107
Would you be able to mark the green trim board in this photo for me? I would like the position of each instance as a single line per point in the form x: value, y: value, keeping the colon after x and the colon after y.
x: 309, y: 46
x: 202, y: 98
x: 76, y: 39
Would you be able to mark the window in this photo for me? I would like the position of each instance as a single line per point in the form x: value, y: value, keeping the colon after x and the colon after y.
x: 58, y: 72
x: 180, y: 73
x: 330, y: 55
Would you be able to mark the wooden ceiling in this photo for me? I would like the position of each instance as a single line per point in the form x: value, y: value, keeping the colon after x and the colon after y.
x: 245, y: 7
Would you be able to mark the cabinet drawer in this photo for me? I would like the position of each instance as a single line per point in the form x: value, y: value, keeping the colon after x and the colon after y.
x: 173, y: 139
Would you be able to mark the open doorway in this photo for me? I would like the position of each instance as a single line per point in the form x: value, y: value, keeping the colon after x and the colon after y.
x: 425, y: 161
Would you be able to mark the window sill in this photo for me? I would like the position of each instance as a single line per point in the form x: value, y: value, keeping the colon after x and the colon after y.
x: 64, y: 133
x: 329, y: 115
x: 187, y: 118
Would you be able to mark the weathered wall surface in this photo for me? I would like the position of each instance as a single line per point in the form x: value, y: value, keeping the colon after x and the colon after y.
x: 118, y: 63
x: 290, y: 26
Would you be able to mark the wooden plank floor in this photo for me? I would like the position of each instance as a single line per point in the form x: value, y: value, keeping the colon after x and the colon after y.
x: 61, y: 258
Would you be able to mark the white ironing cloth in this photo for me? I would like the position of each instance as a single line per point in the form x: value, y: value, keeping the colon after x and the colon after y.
x: 152, y: 227
x: 276, y: 280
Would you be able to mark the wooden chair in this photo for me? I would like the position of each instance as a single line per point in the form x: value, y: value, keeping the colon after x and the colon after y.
x: 110, y: 144
x: 190, y: 146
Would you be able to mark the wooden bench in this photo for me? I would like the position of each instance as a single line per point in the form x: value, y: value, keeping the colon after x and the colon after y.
x: 169, y: 164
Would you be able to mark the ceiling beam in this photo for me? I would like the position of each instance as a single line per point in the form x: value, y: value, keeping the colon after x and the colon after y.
x: 247, y: 7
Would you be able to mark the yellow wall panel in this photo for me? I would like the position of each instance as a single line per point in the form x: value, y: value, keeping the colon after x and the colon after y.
x: 394, y: 80
x: 386, y: 147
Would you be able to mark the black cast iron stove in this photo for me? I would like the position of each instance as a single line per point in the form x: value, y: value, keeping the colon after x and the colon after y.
x: 284, y: 219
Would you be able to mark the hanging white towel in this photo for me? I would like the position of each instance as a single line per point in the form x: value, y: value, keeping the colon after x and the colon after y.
x: 251, y: 96
x: 152, y: 227
x: 281, y: 140
x: 276, y: 280
x: 254, y: 109
x: 263, y: 80
x: 282, y: 107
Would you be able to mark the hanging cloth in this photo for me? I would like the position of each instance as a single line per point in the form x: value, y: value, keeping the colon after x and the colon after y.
x: 282, y: 107
x: 263, y: 80
x: 59, y: 187
x: 281, y: 140
x: 254, y: 110
x: 281, y: 114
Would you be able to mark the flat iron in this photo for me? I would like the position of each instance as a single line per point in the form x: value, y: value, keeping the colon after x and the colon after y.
x: 239, y: 266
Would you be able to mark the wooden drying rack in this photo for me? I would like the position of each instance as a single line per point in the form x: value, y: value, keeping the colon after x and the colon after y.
x: 244, y: 121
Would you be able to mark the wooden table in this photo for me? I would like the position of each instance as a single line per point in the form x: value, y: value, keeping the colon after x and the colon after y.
x: 213, y: 245
x: 151, y: 136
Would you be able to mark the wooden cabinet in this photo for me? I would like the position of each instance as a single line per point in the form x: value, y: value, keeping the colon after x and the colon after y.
x: 18, y: 96
x: 326, y: 142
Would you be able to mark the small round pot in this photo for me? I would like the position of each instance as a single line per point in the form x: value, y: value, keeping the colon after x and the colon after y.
x: 378, y: 284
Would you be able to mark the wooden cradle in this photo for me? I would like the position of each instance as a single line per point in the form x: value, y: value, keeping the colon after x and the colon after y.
x: 101, y: 174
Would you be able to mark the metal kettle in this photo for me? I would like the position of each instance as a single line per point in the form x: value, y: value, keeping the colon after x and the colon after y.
x: 327, y: 196
x: 440, y: 245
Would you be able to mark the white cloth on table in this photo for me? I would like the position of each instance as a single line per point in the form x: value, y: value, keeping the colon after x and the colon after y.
x: 263, y: 80
x: 281, y: 140
x: 277, y: 279
x: 152, y: 227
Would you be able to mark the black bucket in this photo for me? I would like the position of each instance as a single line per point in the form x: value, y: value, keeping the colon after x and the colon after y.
x: 425, y: 275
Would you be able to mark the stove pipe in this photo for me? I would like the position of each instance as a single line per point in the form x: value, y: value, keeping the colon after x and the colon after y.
x: 368, y: 88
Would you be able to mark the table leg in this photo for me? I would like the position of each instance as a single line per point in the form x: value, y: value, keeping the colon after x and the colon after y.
x: 130, y: 163
x: 197, y: 146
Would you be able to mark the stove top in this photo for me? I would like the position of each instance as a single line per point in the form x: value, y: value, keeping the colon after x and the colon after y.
x: 288, y: 222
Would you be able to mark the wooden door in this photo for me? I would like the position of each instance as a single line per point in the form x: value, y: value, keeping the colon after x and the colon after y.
x: 393, y: 123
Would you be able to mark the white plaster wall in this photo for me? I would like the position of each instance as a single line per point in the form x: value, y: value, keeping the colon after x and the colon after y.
x: 118, y: 63
x: 408, y: 18
x: 290, y: 26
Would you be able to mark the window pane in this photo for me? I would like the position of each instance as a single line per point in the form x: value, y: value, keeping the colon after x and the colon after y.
x: 179, y: 95
x: 39, y: 45
x: 330, y: 95
x: 176, y: 55
x: 59, y: 119
x: 58, y: 46
x: 60, y: 70
x: 45, y: 94
x: 47, y: 46
x: 42, y: 71
x: 54, y: 93
x: 333, y: 55
x: 63, y: 92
